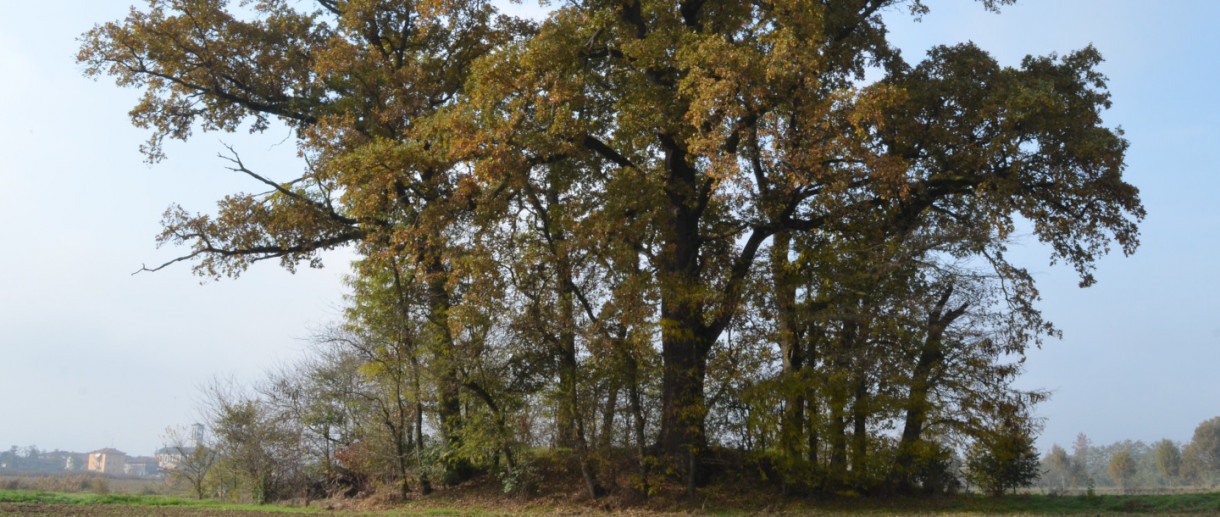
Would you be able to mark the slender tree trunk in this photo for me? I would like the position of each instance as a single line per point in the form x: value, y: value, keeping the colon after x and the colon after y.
x: 407, y: 351
x: 401, y: 428
x: 839, y: 394
x: 637, y: 418
x: 837, y: 439
x: 501, y: 421
x: 859, y: 437
x: 813, y: 406
x: 425, y: 485
x: 814, y: 436
x: 606, y: 436
x: 792, y: 426
x: 571, y: 421
x: 401, y: 451
x: 572, y: 401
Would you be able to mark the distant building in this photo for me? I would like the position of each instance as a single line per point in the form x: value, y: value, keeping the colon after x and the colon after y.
x: 141, y: 466
x: 196, y: 434
x: 168, y: 458
x: 74, y: 461
x: 108, y: 461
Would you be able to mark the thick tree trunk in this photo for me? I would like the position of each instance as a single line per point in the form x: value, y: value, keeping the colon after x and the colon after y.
x: 682, y: 438
x: 567, y: 417
x: 682, y: 400
x: 916, y: 416
x: 912, y: 431
x: 930, y: 356
x: 685, y: 338
x: 449, y: 402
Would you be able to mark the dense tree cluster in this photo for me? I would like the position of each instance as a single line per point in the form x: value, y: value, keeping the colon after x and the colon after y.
x: 654, y: 230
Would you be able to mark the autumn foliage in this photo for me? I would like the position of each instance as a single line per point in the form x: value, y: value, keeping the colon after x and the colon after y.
x: 660, y: 232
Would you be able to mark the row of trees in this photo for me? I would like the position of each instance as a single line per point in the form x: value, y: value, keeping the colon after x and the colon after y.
x: 648, y: 231
x: 1129, y: 465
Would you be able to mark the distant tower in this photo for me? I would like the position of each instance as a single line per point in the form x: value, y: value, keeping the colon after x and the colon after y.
x: 196, y: 435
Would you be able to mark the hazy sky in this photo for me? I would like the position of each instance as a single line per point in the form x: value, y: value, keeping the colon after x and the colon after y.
x: 91, y: 356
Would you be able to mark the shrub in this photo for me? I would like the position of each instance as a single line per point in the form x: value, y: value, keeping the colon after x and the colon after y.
x: 1003, y: 459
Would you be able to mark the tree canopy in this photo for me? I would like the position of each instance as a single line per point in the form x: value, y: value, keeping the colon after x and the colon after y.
x: 757, y: 220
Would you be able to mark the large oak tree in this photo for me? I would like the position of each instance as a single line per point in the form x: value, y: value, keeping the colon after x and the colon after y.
x: 658, y: 152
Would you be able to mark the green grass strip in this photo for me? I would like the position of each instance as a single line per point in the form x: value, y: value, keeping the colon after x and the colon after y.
x: 40, y: 497
x: 1208, y: 504
x: 1176, y: 504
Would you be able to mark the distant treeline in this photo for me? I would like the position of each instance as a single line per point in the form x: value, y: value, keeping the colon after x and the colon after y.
x: 31, y: 459
x: 1135, y: 466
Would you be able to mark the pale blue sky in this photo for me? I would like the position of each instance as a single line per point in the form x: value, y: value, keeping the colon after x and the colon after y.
x: 93, y: 357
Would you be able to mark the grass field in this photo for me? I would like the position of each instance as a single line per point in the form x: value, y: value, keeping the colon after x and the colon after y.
x: 29, y: 503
